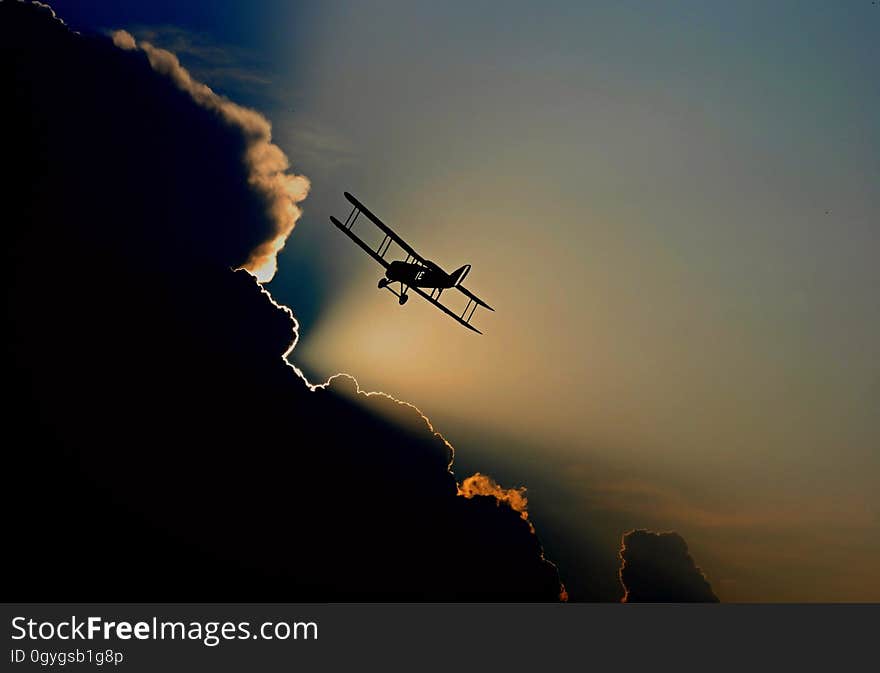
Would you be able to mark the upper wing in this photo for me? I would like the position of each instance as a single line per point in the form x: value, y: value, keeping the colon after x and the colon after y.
x: 375, y: 254
x: 361, y: 208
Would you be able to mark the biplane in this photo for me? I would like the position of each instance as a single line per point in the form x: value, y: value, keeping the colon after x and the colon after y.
x: 413, y: 273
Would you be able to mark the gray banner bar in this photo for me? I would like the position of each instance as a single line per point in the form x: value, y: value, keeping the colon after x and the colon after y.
x: 415, y: 637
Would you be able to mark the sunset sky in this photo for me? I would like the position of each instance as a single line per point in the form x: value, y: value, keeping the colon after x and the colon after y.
x: 675, y: 210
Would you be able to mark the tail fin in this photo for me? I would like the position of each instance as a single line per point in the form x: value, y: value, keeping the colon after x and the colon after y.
x: 458, y: 275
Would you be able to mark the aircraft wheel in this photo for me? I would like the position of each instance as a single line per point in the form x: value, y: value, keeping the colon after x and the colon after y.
x: 382, y: 283
x: 403, y: 299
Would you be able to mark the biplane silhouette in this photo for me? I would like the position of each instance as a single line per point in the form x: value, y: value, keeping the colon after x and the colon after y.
x: 415, y: 272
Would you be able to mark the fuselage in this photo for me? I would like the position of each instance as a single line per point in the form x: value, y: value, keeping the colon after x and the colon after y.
x: 415, y: 275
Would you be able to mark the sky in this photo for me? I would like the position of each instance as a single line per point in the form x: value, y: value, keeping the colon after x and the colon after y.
x: 674, y: 209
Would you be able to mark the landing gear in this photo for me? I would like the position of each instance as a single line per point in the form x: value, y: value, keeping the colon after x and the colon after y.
x: 403, y: 299
x: 383, y: 282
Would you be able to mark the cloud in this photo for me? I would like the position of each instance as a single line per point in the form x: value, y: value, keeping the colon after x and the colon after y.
x: 657, y: 568
x: 482, y: 484
x: 267, y: 164
x: 169, y: 443
x: 124, y: 40
x: 46, y: 9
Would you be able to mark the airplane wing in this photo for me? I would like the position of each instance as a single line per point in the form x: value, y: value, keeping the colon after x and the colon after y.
x: 389, y: 233
x: 375, y: 254
x: 472, y: 297
x: 463, y: 319
x: 446, y: 310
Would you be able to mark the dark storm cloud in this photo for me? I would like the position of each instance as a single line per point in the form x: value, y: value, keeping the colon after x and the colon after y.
x: 657, y: 568
x: 266, y: 164
x: 163, y: 449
